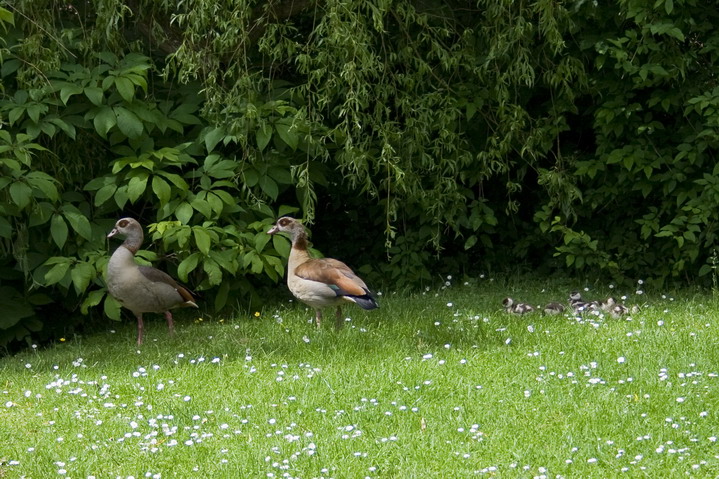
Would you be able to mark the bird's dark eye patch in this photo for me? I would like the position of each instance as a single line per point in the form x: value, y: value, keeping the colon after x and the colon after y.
x: 123, y: 223
x: 284, y: 221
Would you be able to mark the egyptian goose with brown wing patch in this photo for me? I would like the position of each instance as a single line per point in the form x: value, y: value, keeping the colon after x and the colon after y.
x: 320, y: 282
x: 142, y: 289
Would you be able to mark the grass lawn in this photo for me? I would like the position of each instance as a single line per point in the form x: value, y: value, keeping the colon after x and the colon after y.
x: 441, y: 383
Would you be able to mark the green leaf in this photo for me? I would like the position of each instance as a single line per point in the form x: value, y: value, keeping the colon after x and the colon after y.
x: 184, y: 212
x: 282, y: 245
x: 202, y: 240
x: 126, y: 88
x: 213, y: 137
x: 107, y: 82
x: 185, y: 113
x: 263, y: 136
x: 112, y: 308
x: 202, y: 206
x: 81, y: 276
x: 58, y: 230
x: 281, y: 175
x: 286, y: 210
x: 175, y: 179
x: 67, y: 128
x: 215, y: 203
x: 69, y: 90
x: 136, y: 187
x: 471, y: 241
x: 128, y: 123
x: 78, y: 221
x: 224, y: 196
x: 95, y: 95
x: 104, y: 194
x: 187, y: 266
x: 225, y: 258
x: 43, y: 182
x: 251, y: 177
x: 257, y: 265
x: 6, y: 16
x: 41, y: 214
x: 214, y: 273
x: 104, y: 120
x: 107, y: 57
x: 9, y: 67
x: 471, y: 110
x: 221, y: 296
x: 121, y: 196
x: 261, y: 239
x: 161, y: 189
x: 15, y: 114
x: 35, y: 110
x: 5, y: 228
x: 269, y: 187
x: 287, y: 133
x: 669, y: 6
x: 13, y: 306
x: 97, y: 183
x: 57, y: 272
x: 21, y: 194
x: 92, y: 299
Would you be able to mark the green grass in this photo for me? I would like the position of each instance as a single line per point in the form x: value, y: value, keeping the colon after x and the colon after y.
x: 440, y: 384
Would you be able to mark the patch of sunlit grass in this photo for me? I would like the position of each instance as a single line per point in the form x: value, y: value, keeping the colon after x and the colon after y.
x: 437, y: 383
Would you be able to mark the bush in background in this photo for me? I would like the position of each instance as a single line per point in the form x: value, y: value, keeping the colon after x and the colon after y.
x: 417, y: 138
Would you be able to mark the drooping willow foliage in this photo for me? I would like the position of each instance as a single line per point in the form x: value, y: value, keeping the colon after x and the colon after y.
x: 416, y: 137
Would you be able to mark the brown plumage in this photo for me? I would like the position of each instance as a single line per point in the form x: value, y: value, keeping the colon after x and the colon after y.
x: 142, y: 289
x: 553, y: 308
x: 612, y: 307
x: 514, y: 307
x: 320, y: 282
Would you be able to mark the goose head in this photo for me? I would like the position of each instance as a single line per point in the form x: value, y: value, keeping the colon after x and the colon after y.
x: 288, y: 225
x: 131, y: 230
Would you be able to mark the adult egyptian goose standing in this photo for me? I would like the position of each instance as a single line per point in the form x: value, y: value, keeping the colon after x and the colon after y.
x: 320, y: 282
x: 142, y: 289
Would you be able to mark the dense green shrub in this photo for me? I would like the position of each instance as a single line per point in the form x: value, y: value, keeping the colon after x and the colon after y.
x: 646, y: 165
x: 417, y: 138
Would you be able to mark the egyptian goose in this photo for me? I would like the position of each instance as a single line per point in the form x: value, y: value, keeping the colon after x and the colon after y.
x: 142, y: 289
x: 553, y: 308
x: 320, y: 282
x: 516, y: 308
x: 580, y: 306
x: 612, y: 307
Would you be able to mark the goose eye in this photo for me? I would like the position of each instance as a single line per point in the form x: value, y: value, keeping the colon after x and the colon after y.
x: 284, y: 222
x: 123, y: 223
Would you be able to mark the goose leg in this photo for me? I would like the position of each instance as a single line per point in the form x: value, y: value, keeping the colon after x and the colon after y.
x: 339, y: 321
x: 318, y: 317
x: 170, y: 323
x: 140, y: 329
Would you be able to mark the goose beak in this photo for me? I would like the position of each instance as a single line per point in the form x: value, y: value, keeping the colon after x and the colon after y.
x: 273, y: 230
x: 112, y: 233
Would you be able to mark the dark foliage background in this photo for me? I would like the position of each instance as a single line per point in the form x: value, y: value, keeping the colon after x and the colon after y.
x: 416, y: 138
